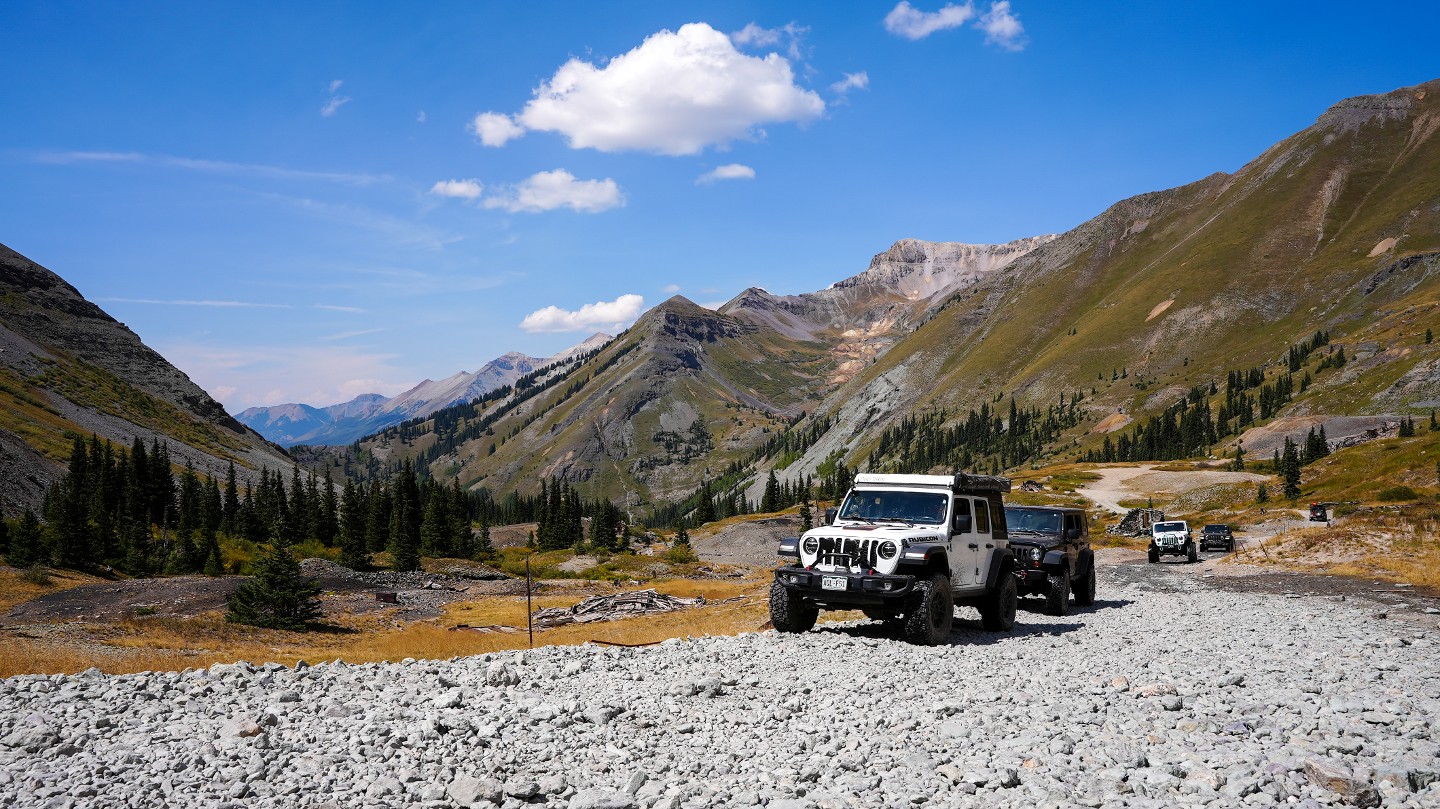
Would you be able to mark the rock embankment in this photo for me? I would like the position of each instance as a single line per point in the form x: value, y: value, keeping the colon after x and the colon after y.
x: 1159, y: 696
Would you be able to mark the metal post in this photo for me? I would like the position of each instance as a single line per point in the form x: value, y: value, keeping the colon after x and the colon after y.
x: 529, y: 622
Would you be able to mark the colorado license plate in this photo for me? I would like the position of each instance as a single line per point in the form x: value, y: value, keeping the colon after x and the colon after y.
x: 833, y: 582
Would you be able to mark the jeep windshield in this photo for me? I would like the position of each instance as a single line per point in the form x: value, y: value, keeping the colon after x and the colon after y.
x: 1169, y: 527
x: 879, y: 505
x: 1027, y: 521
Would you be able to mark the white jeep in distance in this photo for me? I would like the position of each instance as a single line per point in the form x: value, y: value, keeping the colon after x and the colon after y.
x: 904, y: 549
x: 1172, y: 538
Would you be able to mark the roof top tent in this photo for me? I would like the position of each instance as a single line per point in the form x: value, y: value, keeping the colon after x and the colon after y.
x: 958, y: 482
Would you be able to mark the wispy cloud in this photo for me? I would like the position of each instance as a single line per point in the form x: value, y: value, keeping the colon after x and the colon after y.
x: 670, y: 289
x: 852, y: 81
x: 336, y: 100
x: 395, y: 229
x: 729, y: 171
x: 330, y: 307
x: 1002, y: 27
x: 346, y: 335
x: 459, y: 189
x: 221, y: 304
x: 245, y: 376
x: 911, y: 23
x: 208, y: 166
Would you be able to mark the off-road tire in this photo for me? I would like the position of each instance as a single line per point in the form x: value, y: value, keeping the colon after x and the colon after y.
x: 997, y: 607
x: 1192, y: 555
x: 1057, y: 593
x: 1230, y: 545
x: 1154, y: 555
x: 1085, y: 592
x: 788, y: 613
x: 928, y: 622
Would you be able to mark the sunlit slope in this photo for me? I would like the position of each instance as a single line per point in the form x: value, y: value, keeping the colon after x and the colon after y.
x: 1174, y: 288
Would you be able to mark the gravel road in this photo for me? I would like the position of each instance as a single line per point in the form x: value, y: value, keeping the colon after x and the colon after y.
x: 1175, y: 689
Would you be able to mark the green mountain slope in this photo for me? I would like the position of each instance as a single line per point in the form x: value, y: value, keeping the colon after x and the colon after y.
x: 68, y: 367
x: 1336, y: 228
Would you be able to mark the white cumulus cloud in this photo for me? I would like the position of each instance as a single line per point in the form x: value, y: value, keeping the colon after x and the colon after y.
x: 675, y: 94
x: 495, y: 129
x: 1002, y: 27
x: 612, y: 316
x: 460, y: 189
x: 852, y: 81
x: 907, y: 21
x: 729, y: 171
x: 549, y: 190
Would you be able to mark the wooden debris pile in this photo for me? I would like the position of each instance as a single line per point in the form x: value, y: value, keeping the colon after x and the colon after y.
x: 612, y: 607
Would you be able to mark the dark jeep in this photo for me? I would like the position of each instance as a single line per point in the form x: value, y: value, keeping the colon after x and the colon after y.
x: 1053, y: 557
x: 1217, y: 536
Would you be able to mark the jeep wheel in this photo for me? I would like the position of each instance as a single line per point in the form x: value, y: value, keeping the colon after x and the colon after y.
x: 1057, y: 593
x: 1191, y: 554
x: 1230, y: 545
x: 997, y: 610
x: 1154, y: 555
x: 1085, y: 592
x: 788, y: 613
x: 934, y: 611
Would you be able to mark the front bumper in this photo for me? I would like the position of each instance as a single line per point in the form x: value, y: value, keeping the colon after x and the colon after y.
x: 1215, y: 542
x: 1179, y: 549
x: 861, y: 590
x: 1032, y: 579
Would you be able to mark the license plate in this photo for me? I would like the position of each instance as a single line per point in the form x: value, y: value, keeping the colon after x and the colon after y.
x: 833, y: 583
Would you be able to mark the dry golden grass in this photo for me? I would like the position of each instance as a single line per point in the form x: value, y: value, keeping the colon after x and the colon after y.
x: 153, y: 644
x: 1393, y: 546
x: 14, y: 589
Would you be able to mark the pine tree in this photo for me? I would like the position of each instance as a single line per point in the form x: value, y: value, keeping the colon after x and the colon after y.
x: 405, y: 517
x: 353, y: 552
x: 705, y: 509
x: 327, y: 525
x: 278, y: 596
x: 230, y: 510
x: 484, y: 548
x: 770, y: 501
x: 807, y: 521
x: 1429, y: 337
x: 1262, y: 493
x: 1239, y: 463
x: 1290, y: 470
x: 27, y: 547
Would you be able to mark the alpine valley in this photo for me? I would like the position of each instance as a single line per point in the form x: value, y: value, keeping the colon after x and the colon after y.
x: 938, y: 355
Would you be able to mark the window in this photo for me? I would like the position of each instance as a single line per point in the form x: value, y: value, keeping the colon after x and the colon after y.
x: 982, y: 519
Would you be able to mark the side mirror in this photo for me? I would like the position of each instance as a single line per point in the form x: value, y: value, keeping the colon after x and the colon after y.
x: 830, y: 515
x: 1072, y: 533
x: 962, y: 524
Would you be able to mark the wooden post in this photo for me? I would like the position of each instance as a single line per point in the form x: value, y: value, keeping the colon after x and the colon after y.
x: 529, y: 621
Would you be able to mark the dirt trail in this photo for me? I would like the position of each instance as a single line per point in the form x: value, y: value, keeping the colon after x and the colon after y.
x: 1140, y: 481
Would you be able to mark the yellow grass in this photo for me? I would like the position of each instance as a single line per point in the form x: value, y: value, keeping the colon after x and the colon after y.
x: 1401, y: 546
x: 153, y: 644
x: 15, y: 590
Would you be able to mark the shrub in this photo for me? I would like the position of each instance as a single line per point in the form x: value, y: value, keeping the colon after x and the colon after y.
x: 681, y: 554
x: 37, y: 575
x: 1396, y: 493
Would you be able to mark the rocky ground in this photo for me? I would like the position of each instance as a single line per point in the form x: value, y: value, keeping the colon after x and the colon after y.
x: 1176, y: 689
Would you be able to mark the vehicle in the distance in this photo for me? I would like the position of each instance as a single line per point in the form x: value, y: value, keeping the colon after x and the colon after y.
x: 1053, y: 557
x: 905, y: 549
x: 1217, y: 536
x: 1318, y: 513
x: 1172, y: 538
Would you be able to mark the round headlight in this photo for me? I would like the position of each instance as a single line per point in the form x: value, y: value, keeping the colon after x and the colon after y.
x: 811, y: 545
x: 888, y: 550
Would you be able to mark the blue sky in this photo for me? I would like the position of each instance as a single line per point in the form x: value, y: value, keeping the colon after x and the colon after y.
x: 309, y: 201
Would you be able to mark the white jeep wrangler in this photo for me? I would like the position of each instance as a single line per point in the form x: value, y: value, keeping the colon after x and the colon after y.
x: 904, y: 549
x: 1172, y: 538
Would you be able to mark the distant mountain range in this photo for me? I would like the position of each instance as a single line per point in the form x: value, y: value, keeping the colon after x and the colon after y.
x: 292, y: 424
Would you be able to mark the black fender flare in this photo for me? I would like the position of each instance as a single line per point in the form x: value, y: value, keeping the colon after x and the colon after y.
x: 1002, y: 563
x: 1087, y: 561
x: 1054, y: 561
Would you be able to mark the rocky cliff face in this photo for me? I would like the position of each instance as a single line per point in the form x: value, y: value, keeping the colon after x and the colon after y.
x: 68, y: 367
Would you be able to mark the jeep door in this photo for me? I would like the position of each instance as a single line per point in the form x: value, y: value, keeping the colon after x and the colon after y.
x: 1074, y: 532
x: 968, y: 546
